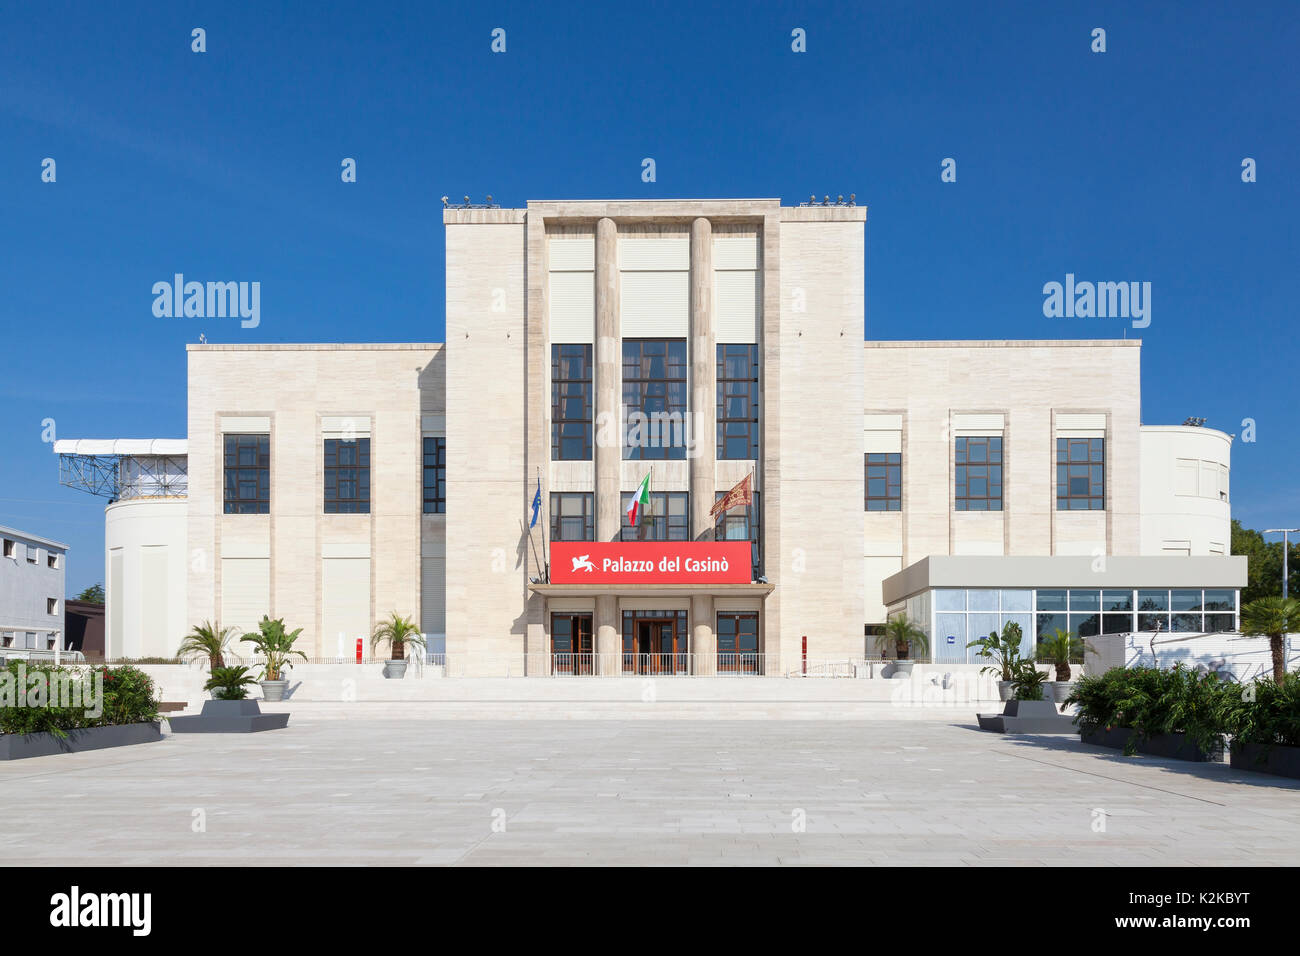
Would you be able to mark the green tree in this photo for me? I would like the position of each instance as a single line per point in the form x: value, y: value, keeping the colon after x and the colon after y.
x: 1273, y: 617
x: 93, y: 594
x: 904, y: 634
x: 207, y: 640
x: 1264, y: 564
x: 398, y: 631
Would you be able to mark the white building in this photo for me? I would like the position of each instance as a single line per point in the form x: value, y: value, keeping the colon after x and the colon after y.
x: 592, y: 345
x: 32, y: 573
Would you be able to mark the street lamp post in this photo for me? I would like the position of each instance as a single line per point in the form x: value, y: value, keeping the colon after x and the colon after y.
x: 1286, y: 550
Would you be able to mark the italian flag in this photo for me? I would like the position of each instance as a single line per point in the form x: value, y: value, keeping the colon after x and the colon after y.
x: 640, y: 501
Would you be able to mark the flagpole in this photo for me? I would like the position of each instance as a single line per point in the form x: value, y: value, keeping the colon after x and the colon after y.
x: 546, y: 576
x: 531, y: 543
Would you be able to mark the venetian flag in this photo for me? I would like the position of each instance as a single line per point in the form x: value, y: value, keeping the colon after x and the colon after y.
x: 741, y: 494
x: 640, y: 501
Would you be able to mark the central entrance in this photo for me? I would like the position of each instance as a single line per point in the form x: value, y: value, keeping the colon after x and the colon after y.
x: 655, y: 642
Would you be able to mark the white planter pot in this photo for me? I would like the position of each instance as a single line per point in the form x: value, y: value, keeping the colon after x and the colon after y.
x: 903, y: 668
x: 273, y: 689
x: 394, y: 669
x: 1006, y: 690
x: 1061, y: 689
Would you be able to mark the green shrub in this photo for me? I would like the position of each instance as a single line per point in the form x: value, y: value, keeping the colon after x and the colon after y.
x: 1266, y: 713
x: 1027, y: 681
x: 228, y: 683
x: 128, y: 698
x: 1149, y: 701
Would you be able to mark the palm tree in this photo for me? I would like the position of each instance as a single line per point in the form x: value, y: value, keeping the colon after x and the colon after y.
x: 207, y: 638
x: 276, y: 645
x: 1274, y: 618
x: 1060, y: 649
x: 398, y: 631
x: 903, y: 633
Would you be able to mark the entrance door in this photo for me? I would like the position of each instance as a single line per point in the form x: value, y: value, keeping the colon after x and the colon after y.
x: 655, y: 642
x: 571, y: 644
x: 738, y: 644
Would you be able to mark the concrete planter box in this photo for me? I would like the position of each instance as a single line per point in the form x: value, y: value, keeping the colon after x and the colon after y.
x: 20, y: 746
x: 229, y: 717
x: 1278, y: 759
x: 1173, y: 746
x: 1028, y: 717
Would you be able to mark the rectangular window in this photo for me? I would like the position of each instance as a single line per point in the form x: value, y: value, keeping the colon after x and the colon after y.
x: 248, y: 474
x: 1080, y: 474
x: 573, y: 516
x: 435, y: 476
x: 667, y: 518
x: 52, y: 561
x: 571, y: 417
x: 884, y: 481
x: 741, y: 524
x: 654, y: 398
x: 10, y: 548
x: 978, y: 470
x: 33, y: 554
x: 51, y: 605
x: 737, y: 405
x: 347, y: 476
x: 738, y: 643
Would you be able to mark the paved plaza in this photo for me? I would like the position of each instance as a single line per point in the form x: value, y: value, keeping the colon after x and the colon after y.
x: 393, y: 790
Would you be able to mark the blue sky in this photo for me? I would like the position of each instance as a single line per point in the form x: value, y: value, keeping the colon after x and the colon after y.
x: 225, y: 165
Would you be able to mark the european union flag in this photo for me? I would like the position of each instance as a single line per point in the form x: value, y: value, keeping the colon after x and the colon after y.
x: 537, y: 502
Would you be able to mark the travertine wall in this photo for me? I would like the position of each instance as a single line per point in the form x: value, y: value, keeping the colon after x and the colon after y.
x: 295, y: 387
x: 813, y: 404
x: 488, y: 485
x: 1029, y: 384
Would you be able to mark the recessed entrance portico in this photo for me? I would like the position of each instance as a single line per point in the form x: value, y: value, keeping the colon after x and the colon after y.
x: 698, y: 630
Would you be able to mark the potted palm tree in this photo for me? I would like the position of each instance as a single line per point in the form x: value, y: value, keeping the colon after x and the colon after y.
x: 904, y: 634
x: 207, y: 640
x: 276, y: 647
x: 1059, y: 650
x: 1003, y: 653
x: 398, y: 631
x: 229, y: 683
x: 1274, y: 618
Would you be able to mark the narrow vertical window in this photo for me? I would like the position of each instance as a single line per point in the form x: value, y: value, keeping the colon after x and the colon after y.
x: 737, y: 405
x: 884, y: 481
x: 347, y: 476
x: 571, y: 417
x: 435, y: 476
x: 247, y: 474
x: 1080, y: 474
x: 978, y: 474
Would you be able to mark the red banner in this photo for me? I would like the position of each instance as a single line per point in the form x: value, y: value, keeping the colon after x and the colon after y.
x: 650, y: 562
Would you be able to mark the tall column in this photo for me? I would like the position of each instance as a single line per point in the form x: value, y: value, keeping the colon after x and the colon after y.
x: 609, y: 636
x: 704, y: 639
x: 608, y: 452
x: 703, y: 453
x: 704, y: 373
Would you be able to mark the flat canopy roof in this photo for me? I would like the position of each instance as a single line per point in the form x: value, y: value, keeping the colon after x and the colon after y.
x: 121, y: 446
x: 651, y: 590
x: 1065, y: 571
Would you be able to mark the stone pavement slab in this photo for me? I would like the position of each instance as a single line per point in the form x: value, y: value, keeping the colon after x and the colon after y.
x: 797, y: 792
